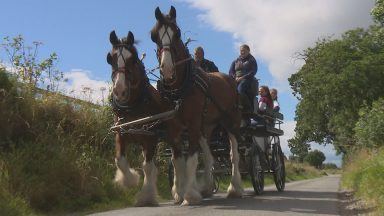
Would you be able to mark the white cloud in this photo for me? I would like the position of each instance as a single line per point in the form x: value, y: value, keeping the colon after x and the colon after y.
x: 277, y: 29
x: 80, y: 85
x: 289, y: 132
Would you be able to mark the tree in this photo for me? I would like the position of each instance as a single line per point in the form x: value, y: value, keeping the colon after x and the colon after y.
x: 25, y: 63
x: 315, y: 158
x: 370, y: 127
x: 378, y: 12
x: 330, y: 166
x: 298, y: 148
x: 339, y: 77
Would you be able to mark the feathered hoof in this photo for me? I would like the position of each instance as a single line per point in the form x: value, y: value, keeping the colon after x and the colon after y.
x: 177, y: 199
x: 233, y: 192
x: 192, y: 198
x: 147, y: 203
x: 129, y: 179
x: 146, y: 198
x: 206, y: 193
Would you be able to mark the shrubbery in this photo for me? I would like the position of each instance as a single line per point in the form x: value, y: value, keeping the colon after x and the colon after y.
x: 364, y: 174
x: 55, y: 157
x: 369, y: 130
x: 315, y: 158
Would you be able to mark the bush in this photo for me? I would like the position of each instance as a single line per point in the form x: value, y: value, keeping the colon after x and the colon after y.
x: 54, y: 156
x: 330, y: 166
x: 363, y: 173
x: 315, y: 158
x: 370, y: 127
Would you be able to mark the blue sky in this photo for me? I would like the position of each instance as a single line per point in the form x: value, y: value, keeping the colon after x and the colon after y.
x: 78, y: 31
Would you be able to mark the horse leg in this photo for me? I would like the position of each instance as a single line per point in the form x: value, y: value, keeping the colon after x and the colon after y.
x: 148, y: 193
x: 235, y: 189
x: 207, y: 188
x: 192, y: 195
x: 125, y: 176
x: 178, y: 164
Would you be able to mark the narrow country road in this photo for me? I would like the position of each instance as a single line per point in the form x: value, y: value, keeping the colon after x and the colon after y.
x: 309, y: 197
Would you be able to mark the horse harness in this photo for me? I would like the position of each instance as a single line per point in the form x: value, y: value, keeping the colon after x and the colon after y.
x: 193, y: 77
x: 135, y: 108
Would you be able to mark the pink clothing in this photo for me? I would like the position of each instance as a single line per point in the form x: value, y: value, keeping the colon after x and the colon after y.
x: 265, y: 103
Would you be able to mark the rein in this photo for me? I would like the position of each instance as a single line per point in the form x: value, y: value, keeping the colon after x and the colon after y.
x: 125, y: 108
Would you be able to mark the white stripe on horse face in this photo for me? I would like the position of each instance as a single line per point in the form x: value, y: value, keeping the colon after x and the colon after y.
x: 166, y: 35
x: 119, y: 85
x: 124, y: 55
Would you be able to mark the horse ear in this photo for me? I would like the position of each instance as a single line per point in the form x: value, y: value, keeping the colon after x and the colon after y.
x: 109, y: 58
x: 130, y: 38
x: 159, y: 16
x: 172, y: 12
x: 113, y: 38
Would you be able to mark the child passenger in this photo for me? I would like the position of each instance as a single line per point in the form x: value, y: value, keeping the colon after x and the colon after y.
x: 265, y: 101
x: 276, y: 106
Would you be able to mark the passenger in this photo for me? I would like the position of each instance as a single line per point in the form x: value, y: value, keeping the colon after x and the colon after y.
x: 243, y: 70
x: 265, y: 101
x: 276, y: 106
x: 205, y: 64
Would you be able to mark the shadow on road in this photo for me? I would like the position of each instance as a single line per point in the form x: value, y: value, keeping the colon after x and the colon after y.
x: 351, y: 206
x: 288, y: 201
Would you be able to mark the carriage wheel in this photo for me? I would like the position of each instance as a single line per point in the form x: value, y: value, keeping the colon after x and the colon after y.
x: 170, y: 174
x: 256, y: 171
x: 278, y: 165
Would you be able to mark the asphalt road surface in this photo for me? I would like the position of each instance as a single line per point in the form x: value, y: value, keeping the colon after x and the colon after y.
x: 309, y: 197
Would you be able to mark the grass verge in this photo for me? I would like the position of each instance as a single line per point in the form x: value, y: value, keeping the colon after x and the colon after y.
x: 364, y: 174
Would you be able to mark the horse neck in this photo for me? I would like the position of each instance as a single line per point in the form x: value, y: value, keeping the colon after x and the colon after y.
x: 182, y: 69
x: 142, y: 85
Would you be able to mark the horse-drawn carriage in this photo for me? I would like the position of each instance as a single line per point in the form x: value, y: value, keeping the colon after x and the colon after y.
x: 186, y: 99
x: 260, y: 152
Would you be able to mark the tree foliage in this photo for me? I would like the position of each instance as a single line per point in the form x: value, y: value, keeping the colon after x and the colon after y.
x: 28, y: 67
x: 339, y: 77
x: 378, y: 12
x: 315, y: 158
x: 370, y: 127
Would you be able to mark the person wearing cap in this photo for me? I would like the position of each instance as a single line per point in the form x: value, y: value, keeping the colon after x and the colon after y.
x: 205, y: 64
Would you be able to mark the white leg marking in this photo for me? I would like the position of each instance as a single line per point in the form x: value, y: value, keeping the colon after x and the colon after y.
x: 235, y: 189
x: 125, y: 176
x: 191, y: 196
x: 148, y: 193
x: 208, y: 164
x: 178, y: 179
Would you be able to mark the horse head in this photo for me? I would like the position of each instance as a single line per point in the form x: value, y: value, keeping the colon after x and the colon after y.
x: 170, y: 48
x: 127, y: 69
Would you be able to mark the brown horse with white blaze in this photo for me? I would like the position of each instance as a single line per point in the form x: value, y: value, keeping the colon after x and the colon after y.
x: 133, y: 97
x: 207, y: 99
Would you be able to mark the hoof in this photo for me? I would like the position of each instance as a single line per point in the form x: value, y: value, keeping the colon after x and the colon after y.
x: 130, y: 179
x: 192, y: 198
x: 207, y: 193
x: 177, y: 199
x: 233, y: 192
x: 147, y: 203
x: 146, y: 198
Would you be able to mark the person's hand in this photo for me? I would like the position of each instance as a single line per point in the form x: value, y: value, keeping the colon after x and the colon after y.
x: 238, y: 79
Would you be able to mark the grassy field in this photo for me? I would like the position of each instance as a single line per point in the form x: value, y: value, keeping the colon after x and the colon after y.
x: 364, y: 174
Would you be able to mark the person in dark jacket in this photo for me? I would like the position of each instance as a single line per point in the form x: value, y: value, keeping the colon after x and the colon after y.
x: 243, y: 70
x: 205, y: 64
